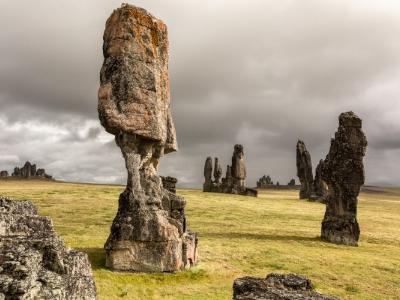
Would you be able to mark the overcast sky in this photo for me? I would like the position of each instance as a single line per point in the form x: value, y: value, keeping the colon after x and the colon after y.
x: 260, y: 73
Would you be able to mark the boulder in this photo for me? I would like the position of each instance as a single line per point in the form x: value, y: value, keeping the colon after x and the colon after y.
x: 34, y: 262
x: 343, y: 171
x: 304, y: 170
x: 149, y: 232
x: 276, y: 287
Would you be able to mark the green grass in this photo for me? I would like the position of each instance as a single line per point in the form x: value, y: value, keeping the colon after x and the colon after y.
x: 237, y: 236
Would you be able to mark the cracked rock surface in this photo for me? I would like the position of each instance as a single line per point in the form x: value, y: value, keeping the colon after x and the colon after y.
x: 34, y: 262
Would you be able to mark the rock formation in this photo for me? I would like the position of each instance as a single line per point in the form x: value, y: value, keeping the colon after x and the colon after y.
x: 276, y: 287
x: 304, y: 170
x: 320, y: 187
x: 149, y: 232
x: 208, y: 168
x: 29, y: 171
x: 34, y: 263
x: 265, y: 182
x: 217, y: 171
x: 238, y: 167
x: 169, y: 183
x: 233, y: 183
x: 3, y: 174
x: 343, y: 171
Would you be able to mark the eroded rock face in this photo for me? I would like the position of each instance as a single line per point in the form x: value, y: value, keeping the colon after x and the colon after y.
x: 149, y: 232
x: 320, y: 187
x: 304, y: 170
x: 34, y: 263
x: 169, y: 183
x: 276, y: 287
x: 343, y: 171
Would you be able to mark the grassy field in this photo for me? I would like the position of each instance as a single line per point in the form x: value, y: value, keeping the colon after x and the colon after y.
x: 237, y: 236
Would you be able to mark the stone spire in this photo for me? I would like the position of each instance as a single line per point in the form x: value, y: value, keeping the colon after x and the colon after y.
x: 304, y: 170
x: 343, y: 171
x: 149, y: 232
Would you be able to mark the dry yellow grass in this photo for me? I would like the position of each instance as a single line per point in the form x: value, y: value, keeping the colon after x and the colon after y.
x: 237, y: 236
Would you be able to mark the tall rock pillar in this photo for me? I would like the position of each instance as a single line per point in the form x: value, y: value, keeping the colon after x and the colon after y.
x: 149, y: 232
x: 343, y: 171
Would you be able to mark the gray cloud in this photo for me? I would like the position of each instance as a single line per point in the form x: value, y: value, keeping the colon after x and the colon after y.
x: 260, y: 73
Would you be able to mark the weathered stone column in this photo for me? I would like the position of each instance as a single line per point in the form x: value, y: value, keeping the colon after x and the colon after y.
x: 217, y: 171
x: 208, y: 168
x: 343, y: 171
x: 149, y: 232
x: 320, y: 186
x: 238, y: 168
x: 304, y: 170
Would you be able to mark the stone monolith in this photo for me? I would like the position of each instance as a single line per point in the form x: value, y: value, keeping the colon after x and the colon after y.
x: 320, y: 186
x: 343, y: 171
x: 304, y: 170
x: 149, y: 232
x: 238, y: 168
x: 217, y: 171
x: 208, y: 170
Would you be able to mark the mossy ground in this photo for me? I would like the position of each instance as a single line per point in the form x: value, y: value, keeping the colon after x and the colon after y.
x: 238, y: 236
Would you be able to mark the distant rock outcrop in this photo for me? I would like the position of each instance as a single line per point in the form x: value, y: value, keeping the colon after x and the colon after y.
x: 276, y: 287
x: 28, y: 171
x: 34, y: 263
x: 343, y: 171
x: 234, y: 181
x: 149, y: 232
x: 304, y: 170
x: 265, y: 182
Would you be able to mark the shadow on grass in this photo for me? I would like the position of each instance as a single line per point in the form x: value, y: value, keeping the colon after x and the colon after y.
x: 97, y: 257
x: 257, y: 236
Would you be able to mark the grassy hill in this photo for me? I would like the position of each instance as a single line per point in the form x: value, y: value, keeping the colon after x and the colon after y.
x: 237, y: 236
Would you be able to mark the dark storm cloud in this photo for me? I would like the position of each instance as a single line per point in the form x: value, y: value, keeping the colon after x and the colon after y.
x: 260, y: 73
